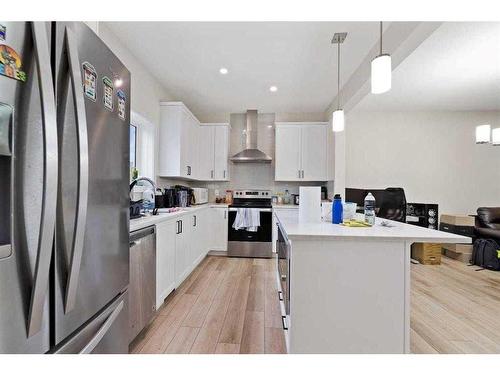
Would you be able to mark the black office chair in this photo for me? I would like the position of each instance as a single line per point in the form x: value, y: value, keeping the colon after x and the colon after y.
x: 393, y: 206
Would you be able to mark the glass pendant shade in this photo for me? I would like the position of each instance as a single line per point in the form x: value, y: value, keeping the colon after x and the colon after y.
x: 338, y: 120
x: 483, y: 134
x: 495, y: 137
x: 381, y: 74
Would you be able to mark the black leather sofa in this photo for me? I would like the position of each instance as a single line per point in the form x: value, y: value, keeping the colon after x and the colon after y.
x: 487, y: 224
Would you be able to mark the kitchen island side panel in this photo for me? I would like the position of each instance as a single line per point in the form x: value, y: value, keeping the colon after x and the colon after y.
x: 349, y: 296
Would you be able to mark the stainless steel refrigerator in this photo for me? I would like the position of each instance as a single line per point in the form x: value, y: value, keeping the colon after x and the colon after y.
x: 64, y: 173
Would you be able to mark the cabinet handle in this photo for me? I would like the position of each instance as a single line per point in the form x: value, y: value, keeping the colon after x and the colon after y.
x: 225, y: 214
x: 299, y: 173
x: 302, y: 173
x: 224, y: 173
x: 283, y: 321
x: 280, y: 295
x: 212, y: 174
x: 180, y: 221
x: 194, y: 220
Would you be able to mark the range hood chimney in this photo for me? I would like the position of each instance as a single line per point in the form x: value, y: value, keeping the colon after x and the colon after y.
x: 251, y: 154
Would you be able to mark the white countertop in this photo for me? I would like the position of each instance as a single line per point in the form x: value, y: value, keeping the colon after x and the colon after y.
x: 295, y: 230
x: 146, y: 221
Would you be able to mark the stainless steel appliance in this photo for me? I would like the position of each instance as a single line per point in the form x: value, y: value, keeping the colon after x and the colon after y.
x: 142, y: 279
x: 200, y: 195
x: 64, y: 262
x: 245, y: 243
x: 251, y: 153
x: 283, y: 249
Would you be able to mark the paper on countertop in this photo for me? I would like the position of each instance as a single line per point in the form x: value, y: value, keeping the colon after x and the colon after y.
x: 310, y: 204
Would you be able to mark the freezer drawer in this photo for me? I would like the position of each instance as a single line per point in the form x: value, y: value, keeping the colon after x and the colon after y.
x: 104, y: 334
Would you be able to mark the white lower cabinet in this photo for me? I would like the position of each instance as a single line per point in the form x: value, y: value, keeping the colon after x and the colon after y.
x: 218, y: 233
x: 182, y: 243
x: 165, y: 260
x: 183, y: 249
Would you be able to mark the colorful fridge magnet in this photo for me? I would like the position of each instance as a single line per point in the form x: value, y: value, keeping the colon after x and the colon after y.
x: 107, y: 97
x: 121, y: 104
x: 10, y: 63
x: 3, y: 32
x: 89, y: 81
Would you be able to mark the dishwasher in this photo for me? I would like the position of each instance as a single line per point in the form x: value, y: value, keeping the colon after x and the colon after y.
x: 142, y: 279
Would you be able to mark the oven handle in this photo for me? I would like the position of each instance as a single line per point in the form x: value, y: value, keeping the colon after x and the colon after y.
x: 260, y: 209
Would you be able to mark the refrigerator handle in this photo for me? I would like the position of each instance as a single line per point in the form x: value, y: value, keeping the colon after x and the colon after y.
x: 50, y: 161
x: 103, y: 330
x: 83, y: 170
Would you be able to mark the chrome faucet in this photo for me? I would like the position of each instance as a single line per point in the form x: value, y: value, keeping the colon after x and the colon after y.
x: 142, y: 179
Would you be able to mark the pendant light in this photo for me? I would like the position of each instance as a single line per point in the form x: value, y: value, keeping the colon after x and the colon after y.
x: 338, y: 114
x: 483, y: 134
x: 381, y: 71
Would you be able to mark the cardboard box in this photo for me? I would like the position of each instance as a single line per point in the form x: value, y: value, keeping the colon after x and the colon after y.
x: 462, y: 248
x: 426, y: 253
x: 464, y: 228
x: 458, y: 220
x: 449, y: 251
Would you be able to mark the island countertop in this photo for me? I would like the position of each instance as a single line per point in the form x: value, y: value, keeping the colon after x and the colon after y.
x: 295, y: 230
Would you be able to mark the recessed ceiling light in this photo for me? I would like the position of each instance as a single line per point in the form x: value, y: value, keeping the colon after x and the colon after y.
x: 223, y: 71
x: 273, y: 89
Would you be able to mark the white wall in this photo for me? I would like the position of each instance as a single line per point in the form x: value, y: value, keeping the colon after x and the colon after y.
x: 432, y: 155
x: 146, y: 91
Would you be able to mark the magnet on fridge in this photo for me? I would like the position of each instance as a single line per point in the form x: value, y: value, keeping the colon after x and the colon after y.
x: 107, y: 97
x: 10, y: 63
x: 3, y: 32
x: 121, y: 104
x: 89, y: 81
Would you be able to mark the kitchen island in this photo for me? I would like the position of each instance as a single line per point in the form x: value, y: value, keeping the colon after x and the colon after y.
x: 349, y: 288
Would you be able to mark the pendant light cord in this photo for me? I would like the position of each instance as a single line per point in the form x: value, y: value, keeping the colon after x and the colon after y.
x: 338, y: 75
x: 381, y: 37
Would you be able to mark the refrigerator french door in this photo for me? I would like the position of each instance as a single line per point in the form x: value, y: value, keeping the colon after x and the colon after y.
x: 63, y: 192
x: 28, y: 186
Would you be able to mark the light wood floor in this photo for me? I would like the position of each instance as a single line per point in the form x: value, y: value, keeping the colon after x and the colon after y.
x: 454, y: 309
x: 227, y: 305
x: 230, y: 305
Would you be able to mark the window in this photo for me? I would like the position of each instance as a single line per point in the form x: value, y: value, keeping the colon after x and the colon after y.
x: 142, y: 146
x: 133, y: 146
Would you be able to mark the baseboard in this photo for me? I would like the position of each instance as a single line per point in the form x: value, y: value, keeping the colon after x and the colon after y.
x: 217, y: 253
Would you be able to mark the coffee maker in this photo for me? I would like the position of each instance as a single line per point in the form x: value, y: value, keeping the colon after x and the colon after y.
x: 183, y: 196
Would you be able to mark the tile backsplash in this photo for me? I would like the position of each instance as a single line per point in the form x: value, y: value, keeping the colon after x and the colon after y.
x: 251, y: 175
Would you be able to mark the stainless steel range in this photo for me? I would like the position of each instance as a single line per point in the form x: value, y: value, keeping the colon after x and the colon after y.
x: 248, y: 242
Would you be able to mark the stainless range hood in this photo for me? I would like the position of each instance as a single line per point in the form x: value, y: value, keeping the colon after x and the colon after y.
x: 251, y: 154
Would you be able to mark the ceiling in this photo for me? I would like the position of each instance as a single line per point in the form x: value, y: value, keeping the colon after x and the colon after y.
x: 456, y: 69
x: 297, y: 57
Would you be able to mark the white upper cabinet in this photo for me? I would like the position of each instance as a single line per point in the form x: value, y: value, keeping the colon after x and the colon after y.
x: 221, y: 152
x: 302, y: 151
x: 190, y: 150
x: 205, y: 152
x: 314, y: 152
x: 178, y: 141
x: 287, y: 153
x: 214, y: 151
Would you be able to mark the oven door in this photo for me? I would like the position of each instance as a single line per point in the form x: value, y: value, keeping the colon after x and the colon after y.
x: 251, y: 244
